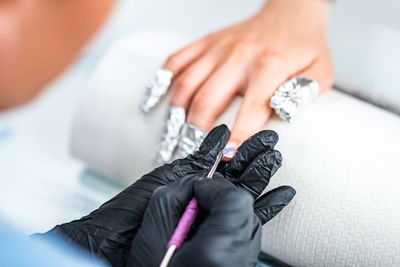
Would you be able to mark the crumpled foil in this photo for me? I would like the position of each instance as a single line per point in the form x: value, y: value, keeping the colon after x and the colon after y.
x: 190, y: 140
x: 292, y: 96
x: 156, y: 89
x: 176, y: 117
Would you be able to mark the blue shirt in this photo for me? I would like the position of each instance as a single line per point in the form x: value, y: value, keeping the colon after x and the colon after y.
x: 19, y: 250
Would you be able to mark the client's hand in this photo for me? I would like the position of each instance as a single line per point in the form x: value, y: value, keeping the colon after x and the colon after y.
x: 227, y: 233
x: 108, y: 231
x: 286, y: 38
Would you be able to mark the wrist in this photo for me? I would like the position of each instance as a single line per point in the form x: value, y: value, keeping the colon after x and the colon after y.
x: 316, y: 12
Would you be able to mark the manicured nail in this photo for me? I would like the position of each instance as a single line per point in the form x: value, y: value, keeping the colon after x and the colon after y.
x: 229, y: 151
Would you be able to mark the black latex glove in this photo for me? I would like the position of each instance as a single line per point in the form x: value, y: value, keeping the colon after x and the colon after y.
x: 229, y: 234
x: 107, y: 232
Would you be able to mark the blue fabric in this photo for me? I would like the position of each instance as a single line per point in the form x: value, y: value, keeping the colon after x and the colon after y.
x: 17, y: 250
x: 261, y: 264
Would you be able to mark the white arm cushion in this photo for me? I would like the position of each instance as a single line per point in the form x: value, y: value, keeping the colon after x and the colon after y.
x: 343, y: 158
x: 341, y: 155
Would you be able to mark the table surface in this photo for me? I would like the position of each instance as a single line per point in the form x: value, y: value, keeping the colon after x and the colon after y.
x: 40, y: 183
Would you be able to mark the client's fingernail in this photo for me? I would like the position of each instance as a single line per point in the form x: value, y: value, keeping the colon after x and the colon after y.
x: 229, y: 151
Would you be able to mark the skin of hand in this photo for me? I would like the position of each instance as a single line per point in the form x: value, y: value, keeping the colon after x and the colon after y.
x: 39, y: 39
x: 252, y: 59
x: 227, y: 231
x: 107, y: 232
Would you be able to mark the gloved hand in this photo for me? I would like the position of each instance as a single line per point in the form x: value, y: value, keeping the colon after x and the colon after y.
x: 228, y: 231
x: 107, y: 232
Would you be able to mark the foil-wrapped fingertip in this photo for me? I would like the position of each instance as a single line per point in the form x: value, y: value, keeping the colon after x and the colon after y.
x: 292, y: 96
x: 155, y: 89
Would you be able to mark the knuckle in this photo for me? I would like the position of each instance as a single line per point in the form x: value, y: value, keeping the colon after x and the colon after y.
x: 182, y: 83
x: 240, y: 47
x: 172, y: 60
x: 269, y: 60
x: 222, y: 43
x: 199, y: 103
x: 209, y: 37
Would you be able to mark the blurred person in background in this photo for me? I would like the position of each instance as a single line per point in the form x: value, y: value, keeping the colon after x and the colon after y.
x: 39, y: 39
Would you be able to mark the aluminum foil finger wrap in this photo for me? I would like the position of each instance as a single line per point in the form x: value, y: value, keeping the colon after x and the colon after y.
x: 190, y: 140
x: 156, y: 89
x: 293, y: 96
x: 176, y: 117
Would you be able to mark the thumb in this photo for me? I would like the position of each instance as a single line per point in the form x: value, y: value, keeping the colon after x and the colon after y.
x: 230, y: 233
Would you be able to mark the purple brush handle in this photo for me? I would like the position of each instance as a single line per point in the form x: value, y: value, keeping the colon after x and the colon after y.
x: 184, y: 224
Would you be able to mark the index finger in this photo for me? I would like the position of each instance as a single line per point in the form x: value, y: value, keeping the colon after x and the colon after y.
x: 259, y: 143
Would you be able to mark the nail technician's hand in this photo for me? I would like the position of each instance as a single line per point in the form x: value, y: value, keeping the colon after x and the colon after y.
x: 107, y: 232
x: 227, y: 231
x: 252, y: 58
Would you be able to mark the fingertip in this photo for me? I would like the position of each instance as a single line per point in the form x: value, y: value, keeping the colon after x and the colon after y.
x: 229, y: 151
x: 232, y: 146
x: 270, y: 204
x: 273, y: 135
x: 260, y: 139
x: 266, y: 138
x: 215, y: 139
x: 287, y: 192
x: 220, y: 132
x: 278, y: 197
x: 261, y: 142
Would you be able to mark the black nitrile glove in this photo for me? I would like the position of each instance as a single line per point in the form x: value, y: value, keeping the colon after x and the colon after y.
x: 108, y: 232
x: 229, y: 233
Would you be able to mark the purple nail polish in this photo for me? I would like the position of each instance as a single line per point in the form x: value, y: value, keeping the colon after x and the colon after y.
x: 230, y: 150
